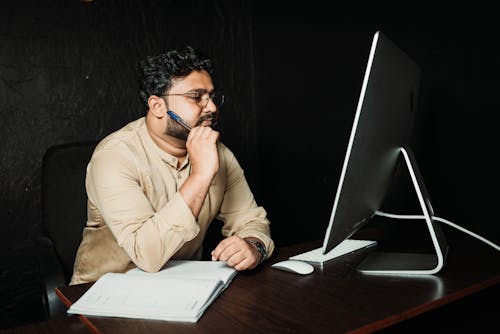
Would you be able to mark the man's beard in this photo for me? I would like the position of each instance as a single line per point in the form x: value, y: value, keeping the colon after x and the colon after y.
x: 176, y: 130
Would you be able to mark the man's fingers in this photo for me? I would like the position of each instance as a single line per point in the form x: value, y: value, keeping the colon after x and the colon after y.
x: 235, y: 259
x: 237, y: 253
x: 221, y: 247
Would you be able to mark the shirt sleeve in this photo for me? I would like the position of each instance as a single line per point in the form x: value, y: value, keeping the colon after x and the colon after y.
x: 149, y: 237
x: 239, y: 211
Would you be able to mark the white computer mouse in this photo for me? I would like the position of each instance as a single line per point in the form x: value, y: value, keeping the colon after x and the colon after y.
x: 294, y: 266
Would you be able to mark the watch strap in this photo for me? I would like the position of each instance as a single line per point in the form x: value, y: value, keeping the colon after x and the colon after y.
x: 260, y: 248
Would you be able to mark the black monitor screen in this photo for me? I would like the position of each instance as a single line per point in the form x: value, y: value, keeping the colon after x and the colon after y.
x: 382, y: 124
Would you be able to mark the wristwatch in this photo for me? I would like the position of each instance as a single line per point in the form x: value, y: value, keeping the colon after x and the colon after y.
x: 260, y: 248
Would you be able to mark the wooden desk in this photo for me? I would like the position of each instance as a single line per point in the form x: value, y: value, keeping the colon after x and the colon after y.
x: 69, y: 325
x: 335, y: 299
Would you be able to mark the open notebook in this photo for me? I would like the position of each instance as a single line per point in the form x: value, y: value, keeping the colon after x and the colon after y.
x: 181, y: 291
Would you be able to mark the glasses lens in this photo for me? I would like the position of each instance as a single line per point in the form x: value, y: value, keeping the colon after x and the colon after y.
x: 217, y: 99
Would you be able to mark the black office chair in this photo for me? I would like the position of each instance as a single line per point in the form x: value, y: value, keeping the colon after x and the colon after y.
x: 64, y: 213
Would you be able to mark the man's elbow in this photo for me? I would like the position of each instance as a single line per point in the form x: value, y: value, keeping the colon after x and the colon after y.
x: 149, y: 262
x: 150, y: 267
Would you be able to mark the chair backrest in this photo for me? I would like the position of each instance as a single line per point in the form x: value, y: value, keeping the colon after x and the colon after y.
x: 64, y: 199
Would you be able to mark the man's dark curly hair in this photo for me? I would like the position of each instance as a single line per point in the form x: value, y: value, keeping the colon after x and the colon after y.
x: 156, y: 73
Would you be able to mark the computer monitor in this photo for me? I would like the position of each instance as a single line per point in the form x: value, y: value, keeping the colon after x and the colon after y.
x: 380, y: 136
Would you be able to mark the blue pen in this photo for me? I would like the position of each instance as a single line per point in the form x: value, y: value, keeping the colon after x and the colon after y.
x: 178, y: 119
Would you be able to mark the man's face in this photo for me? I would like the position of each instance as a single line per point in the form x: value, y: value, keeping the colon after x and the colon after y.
x: 190, y: 98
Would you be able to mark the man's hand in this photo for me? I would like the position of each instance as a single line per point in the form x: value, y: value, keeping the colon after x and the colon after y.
x: 237, y: 253
x: 202, y: 149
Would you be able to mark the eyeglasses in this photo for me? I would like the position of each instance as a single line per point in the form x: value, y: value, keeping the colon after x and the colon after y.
x: 202, y: 97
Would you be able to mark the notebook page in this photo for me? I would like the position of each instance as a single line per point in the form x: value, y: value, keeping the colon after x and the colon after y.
x: 148, y: 297
x: 193, y: 269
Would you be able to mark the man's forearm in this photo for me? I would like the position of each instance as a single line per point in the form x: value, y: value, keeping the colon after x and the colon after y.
x: 194, y: 191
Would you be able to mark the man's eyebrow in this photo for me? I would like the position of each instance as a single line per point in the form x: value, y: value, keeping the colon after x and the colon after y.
x: 199, y: 91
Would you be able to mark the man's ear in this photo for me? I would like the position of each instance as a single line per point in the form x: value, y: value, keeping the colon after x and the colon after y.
x: 157, y: 106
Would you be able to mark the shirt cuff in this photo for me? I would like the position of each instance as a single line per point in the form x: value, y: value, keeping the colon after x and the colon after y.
x: 177, y: 216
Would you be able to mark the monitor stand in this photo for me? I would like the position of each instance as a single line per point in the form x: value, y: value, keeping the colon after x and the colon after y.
x: 411, y: 263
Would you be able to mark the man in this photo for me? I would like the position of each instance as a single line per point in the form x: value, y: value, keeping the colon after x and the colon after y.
x: 154, y: 186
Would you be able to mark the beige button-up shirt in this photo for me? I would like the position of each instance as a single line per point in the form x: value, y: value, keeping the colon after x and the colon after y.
x: 137, y: 217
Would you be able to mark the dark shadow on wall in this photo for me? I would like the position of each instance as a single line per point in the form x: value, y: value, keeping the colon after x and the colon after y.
x: 67, y: 74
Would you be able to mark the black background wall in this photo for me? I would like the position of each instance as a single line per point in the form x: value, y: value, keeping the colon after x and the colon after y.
x: 67, y: 74
x: 292, y: 75
x: 311, y: 62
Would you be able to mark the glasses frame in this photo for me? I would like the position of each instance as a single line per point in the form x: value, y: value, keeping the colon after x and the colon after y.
x: 202, y: 101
